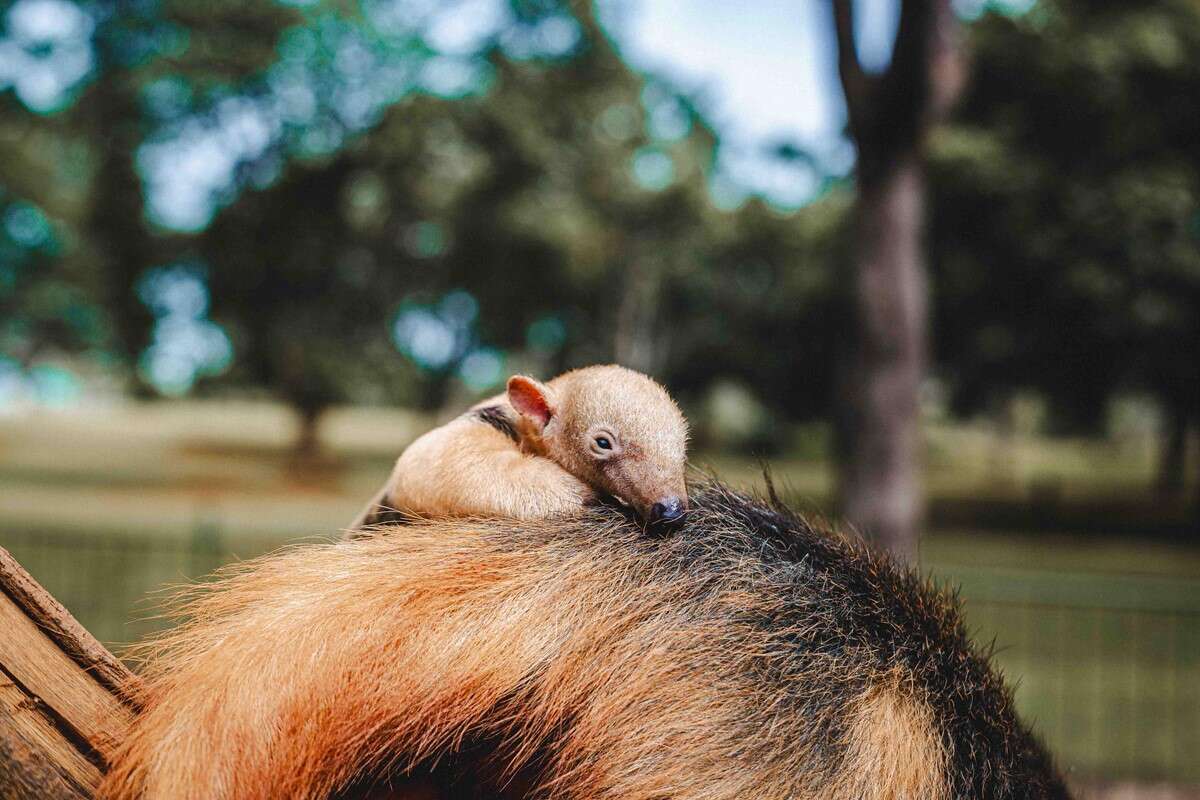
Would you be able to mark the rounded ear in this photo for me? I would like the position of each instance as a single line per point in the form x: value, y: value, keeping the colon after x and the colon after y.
x: 532, y: 399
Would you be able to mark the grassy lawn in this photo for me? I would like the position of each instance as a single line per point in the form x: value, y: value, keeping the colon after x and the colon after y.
x: 1100, y: 633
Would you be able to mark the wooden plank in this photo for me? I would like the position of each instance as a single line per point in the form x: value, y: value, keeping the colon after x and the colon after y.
x: 36, y: 760
x: 85, y: 710
x: 58, y: 624
x: 60, y: 704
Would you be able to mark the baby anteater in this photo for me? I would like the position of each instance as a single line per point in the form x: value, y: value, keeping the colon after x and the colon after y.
x: 546, y: 449
x: 750, y: 656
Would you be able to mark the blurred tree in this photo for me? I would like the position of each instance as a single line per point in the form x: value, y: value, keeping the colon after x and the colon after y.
x: 569, y: 193
x: 548, y: 195
x: 307, y: 274
x: 890, y: 115
x: 1066, y: 237
x: 44, y: 308
x: 205, y: 50
x: 48, y: 301
x: 72, y: 135
x: 758, y: 309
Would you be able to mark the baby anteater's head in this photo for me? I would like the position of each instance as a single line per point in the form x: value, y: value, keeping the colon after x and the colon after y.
x: 614, y: 429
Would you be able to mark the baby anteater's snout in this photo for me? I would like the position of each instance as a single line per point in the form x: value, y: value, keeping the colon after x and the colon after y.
x: 667, y: 511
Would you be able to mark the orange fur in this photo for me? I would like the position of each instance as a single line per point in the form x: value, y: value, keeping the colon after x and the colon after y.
x: 586, y: 648
x: 748, y: 656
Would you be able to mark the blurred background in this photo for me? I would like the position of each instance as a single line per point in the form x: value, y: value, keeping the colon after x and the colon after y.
x: 937, y: 262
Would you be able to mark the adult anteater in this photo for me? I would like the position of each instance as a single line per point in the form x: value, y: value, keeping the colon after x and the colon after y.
x: 746, y: 655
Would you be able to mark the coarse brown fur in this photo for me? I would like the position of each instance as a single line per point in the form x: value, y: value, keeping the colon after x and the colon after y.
x: 503, y: 459
x: 748, y: 655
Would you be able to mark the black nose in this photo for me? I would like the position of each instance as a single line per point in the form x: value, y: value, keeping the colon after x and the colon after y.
x: 667, y: 510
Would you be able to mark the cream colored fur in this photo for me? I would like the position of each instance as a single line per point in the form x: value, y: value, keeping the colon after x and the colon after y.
x: 467, y: 468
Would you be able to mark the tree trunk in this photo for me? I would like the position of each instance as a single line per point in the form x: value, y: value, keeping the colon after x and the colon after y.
x: 880, y: 481
x: 890, y: 115
x: 634, y: 341
x: 308, y: 440
x: 1195, y: 508
x: 124, y: 249
x: 1172, y: 459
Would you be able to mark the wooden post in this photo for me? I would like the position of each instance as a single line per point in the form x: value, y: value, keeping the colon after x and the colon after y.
x: 61, y: 706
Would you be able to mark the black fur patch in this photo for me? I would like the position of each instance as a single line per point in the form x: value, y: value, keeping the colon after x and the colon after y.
x: 498, y: 419
x: 382, y: 515
x: 843, y: 599
x: 844, y: 616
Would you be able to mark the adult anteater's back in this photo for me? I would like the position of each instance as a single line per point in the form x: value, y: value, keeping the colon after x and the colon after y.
x: 746, y: 655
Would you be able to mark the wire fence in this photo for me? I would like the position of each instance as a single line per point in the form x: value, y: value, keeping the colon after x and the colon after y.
x: 114, y: 584
x: 1106, y: 667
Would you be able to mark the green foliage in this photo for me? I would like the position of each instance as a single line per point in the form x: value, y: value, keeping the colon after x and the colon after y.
x: 531, y: 204
x: 392, y: 223
x: 108, y: 73
x: 42, y: 306
x: 570, y: 200
x: 1066, y: 208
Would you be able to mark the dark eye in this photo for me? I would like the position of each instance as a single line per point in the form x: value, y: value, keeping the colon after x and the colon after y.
x: 603, y: 443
